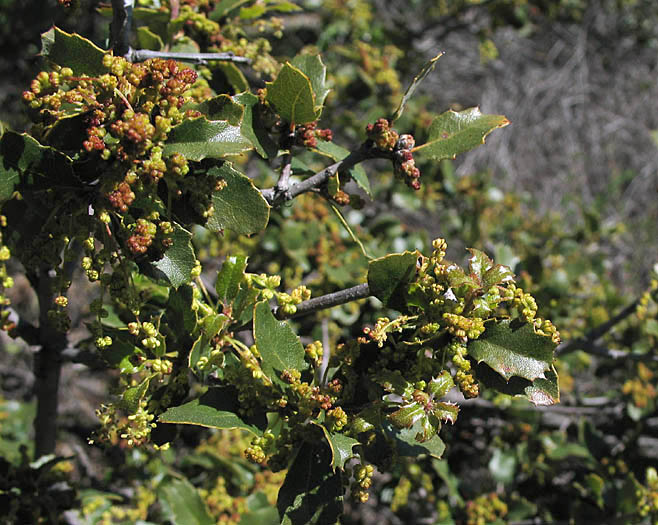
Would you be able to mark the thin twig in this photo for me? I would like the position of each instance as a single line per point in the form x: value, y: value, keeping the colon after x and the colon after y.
x: 139, y: 55
x: 275, y: 197
x: 360, y: 291
x: 586, y: 343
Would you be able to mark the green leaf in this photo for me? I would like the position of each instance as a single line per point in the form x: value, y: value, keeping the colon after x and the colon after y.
x: 454, y: 132
x: 253, y: 127
x: 311, y: 493
x: 217, y: 408
x: 426, y: 70
x: 147, y: 39
x: 253, y: 11
x: 239, y: 206
x: 502, y: 465
x: 234, y: 76
x: 132, y: 396
x: 338, y: 153
x: 222, y: 107
x: 279, y: 347
x: 316, y: 71
x: 200, y: 138
x: 513, y: 349
x: 341, y: 447
x: 291, y: 94
x: 389, y: 276
x: 263, y: 516
x: 181, y: 318
x: 540, y: 392
x: 70, y: 50
x: 406, y: 444
x: 224, y: 7
x: 181, y: 503
x: 179, y: 260
x: 230, y: 277
x: 22, y: 158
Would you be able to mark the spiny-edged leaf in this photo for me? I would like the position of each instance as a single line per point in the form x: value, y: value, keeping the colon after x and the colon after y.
x: 316, y: 71
x: 541, y: 391
x: 338, y: 153
x: 70, y: 50
x: 407, y: 415
x: 291, y: 94
x: 341, y: 447
x: 239, y: 206
x: 405, y: 442
x: 311, y: 493
x: 222, y: 107
x: 181, y: 503
x: 426, y: 70
x: 497, y: 274
x: 441, y: 385
x: 253, y: 127
x: 217, y: 408
x: 229, y: 278
x: 446, y: 412
x: 479, y: 262
x: 132, y: 396
x: 22, y: 158
x: 181, y: 318
x: 389, y: 276
x: 455, y: 132
x: 179, y: 260
x: 513, y: 349
x: 200, y: 138
x: 279, y: 347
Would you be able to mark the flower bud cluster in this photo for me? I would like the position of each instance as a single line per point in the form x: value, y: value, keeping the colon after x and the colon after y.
x: 307, y: 135
x: 400, y: 147
x: 5, y: 282
x: 485, y: 509
x: 362, y: 481
x: 288, y: 302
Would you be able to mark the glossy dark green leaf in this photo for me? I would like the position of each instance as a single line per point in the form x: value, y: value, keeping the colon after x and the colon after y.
x: 217, y: 408
x: 253, y: 128
x: 201, y: 138
x: 341, y: 447
x: 446, y: 412
x: 316, y: 71
x: 71, y: 50
x: 22, y: 158
x: 180, y: 316
x: 389, y: 276
x: 338, y: 153
x: 279, y: 347
x: 441, y: 385
x: 406, y: 443
x: 426, y: 70
x: 454, y: 132
x: 311, y: 493
x: 291, y: 94
x: 540, y: 392
x: 181, y: 503
x: 229, y: 278
x: 239, y: 206
x: 514, y: 349
x: 179, y: 260
x: 222, y: 107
